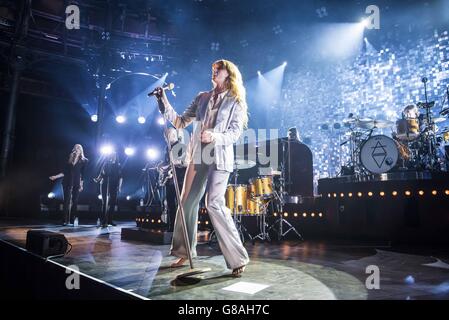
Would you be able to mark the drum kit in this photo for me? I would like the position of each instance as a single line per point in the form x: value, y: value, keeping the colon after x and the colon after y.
x: 413, y: 146
x: 255, y: 198
x: 250, y: 199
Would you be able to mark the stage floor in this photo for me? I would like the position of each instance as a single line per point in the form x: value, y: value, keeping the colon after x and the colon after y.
x: 279, y: 271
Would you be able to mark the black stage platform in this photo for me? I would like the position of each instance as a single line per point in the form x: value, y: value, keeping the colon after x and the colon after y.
x: 409, y: 206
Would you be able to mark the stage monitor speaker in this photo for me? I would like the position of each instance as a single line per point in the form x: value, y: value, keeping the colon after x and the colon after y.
x: 297, y: 160
x: 46, y: 243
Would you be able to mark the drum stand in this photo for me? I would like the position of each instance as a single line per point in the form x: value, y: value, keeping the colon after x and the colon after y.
x: 263, y: 235
x: 280, y: 204
x: 281, y: 233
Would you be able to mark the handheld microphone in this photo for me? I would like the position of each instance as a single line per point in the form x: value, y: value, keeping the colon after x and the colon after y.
x: 169, y: 86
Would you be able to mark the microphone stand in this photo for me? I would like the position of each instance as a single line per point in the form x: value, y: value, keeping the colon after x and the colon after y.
x: 180, y: 214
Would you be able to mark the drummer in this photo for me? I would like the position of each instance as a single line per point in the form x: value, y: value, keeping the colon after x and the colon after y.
x: 410, y: 112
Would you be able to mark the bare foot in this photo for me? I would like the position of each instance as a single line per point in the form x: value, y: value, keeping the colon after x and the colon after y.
x: 237, y: 272
x: 178, y: 263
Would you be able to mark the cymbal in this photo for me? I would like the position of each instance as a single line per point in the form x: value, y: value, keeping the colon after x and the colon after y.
x: 426, y: 105
x: 371, y: 124
x: 439, y: 119
x: 241, y: 164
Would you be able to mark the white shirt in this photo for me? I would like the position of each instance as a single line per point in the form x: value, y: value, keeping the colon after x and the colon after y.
x: 212, y: 110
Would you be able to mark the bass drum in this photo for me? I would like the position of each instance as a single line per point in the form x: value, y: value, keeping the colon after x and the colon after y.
x: 379, y: 154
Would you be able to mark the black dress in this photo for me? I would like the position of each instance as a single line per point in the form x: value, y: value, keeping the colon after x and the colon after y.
x: 111, y: 174
x: 73, y: 175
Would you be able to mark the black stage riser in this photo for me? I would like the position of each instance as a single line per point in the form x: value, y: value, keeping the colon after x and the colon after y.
x: 403, y: 211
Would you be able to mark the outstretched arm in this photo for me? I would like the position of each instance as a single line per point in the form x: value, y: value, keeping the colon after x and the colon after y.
x: 178, y: 121
x: 59, y: 175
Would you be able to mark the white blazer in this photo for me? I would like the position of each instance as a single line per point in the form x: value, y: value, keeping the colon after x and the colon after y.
x: 227, y: 130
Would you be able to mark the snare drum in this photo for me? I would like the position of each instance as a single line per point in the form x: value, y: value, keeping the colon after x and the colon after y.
x: 261, y: 187
x: 407, y: 129
x: 236, y: 195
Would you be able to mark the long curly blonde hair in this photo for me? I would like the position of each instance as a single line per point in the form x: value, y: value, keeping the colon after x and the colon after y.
x: 235, y: 84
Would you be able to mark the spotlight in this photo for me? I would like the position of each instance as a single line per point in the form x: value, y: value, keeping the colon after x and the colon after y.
x: 342, y: 195
x: 382, y: 193
x: 304, y: 215
x: 152, y: 220
x: 207, y: 222
x: 128, y: 198
x: 51, y: 195
x: 446, y: 192
x: 320, y: 214
x: 312, y: 214
x: 421, y: 192
x: 94, y: 118
x: 285, y: 214
x: 120, y: 119
x: 258, y: 73
x: 335, y: 195
x: 359, y: 194
x: 275, y: 214
x: 295, y: 214
x: 285, y: 63
x: 328, y: 195
x: 408, y: 193
x: 100, y: 197
x: 159, y: 221
x: 434, y: 192
x: 161, y: 121
x: 370, y: 194
x: 350, y: 194
x: 106, y: 149
x: 394, y: 193
x: 152, y: 154
x: 141, y: 120
x: 129, y: 151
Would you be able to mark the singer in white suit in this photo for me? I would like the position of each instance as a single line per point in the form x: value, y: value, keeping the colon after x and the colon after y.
x: 219, y: 117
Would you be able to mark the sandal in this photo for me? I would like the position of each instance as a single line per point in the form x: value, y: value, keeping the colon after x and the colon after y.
x: 178, y: 263
x: 237, y: 272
